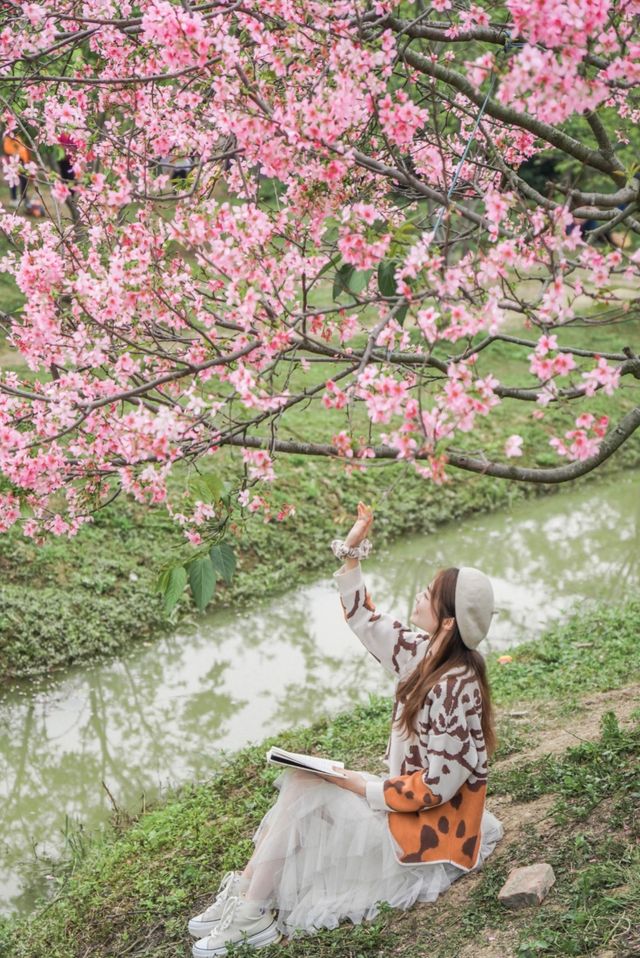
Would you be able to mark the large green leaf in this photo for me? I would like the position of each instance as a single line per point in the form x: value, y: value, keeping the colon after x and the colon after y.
x: 202, y: 579
x: 359, y: 279
x: 162, y: 581
x: 223, y: 560
x: 176, y: 581
x: 406, y: 231
x: 386, y: 278
x: 348, y: 279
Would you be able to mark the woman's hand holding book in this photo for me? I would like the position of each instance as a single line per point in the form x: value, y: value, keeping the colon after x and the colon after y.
x: 352, y: 781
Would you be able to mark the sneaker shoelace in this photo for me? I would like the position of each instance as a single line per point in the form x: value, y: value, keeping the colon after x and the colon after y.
x: 229, y: 912
x: 224, y: 889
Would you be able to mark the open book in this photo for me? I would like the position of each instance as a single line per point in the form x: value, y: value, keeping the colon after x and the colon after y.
x: 306, y: 763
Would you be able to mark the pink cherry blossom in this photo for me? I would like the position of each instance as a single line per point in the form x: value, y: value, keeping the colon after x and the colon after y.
x: 603, y: 375
x: 343, y: 444
x: 585, y: 420
x: 541, y: 367
x: 361, y: 252
x: 427, y: 321
x: 400, y: 117
x: 546, y: 344
x: 260, y: 464
x: 513, y: 446
x: 600, y: 427
x: 334, y: 397
x: 9, y: 510
x: 496, y: 205
x: 563, y: 363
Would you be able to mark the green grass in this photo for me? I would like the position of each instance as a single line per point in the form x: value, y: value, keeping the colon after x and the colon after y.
x: 559, y: 668
x: 130, y: 890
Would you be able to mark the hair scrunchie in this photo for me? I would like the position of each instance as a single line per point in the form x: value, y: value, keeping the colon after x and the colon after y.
x: 343, y: 551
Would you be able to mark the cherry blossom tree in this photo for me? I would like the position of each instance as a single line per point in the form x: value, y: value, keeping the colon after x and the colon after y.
x: 284, y: 202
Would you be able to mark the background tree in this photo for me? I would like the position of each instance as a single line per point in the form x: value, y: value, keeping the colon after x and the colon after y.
x: 279, y: 203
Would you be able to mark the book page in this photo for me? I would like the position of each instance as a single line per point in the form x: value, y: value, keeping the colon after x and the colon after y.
x: 308, y: 763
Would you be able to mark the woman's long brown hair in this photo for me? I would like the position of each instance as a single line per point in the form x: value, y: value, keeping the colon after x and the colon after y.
x: 451, y: 653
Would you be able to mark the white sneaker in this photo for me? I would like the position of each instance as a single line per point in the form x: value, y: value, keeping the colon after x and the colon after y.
x: 242, y: 922
x: 204, y: 924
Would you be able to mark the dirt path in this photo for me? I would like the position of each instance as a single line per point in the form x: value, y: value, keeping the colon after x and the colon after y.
x: 558, y: 734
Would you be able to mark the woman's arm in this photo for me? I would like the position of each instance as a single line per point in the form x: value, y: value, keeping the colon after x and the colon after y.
x: 391, y: 643
x: 395, y: 646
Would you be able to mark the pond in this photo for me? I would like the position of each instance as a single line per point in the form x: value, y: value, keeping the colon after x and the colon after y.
x: 160, y: 715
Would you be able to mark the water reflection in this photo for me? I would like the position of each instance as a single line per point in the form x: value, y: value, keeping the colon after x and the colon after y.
x: 159, y: 716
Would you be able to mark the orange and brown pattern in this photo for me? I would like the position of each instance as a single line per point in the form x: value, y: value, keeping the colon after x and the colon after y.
x: 449, y: 832
x: 436, y: 810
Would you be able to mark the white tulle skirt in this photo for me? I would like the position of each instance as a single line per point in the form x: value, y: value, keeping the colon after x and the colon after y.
x: 323, y: 855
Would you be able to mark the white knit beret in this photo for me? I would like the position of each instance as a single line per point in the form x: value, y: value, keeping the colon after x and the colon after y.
x: 474, y: 605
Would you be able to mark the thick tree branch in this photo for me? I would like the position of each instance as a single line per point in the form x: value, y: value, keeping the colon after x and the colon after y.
x: 606, y: 146
x: 509, y: 116
x: 553, y: 476
x: 629, y: 366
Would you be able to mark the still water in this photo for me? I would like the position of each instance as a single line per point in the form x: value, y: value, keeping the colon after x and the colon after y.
x: 159, y: 716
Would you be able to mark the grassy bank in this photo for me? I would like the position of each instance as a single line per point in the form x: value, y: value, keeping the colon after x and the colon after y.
x: 73, y: 600
x: 132, y: 891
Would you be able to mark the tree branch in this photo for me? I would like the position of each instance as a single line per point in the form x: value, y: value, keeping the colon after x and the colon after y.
x: 550, y: 134
x: 554, y: 475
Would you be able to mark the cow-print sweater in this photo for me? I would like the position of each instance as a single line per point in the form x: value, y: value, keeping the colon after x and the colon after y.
x: 436, y: 788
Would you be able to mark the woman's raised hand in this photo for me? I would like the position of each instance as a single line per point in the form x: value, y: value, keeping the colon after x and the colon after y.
x: 361, y: 527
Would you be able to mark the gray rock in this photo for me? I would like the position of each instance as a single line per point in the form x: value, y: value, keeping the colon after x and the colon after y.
x: 527, y: 886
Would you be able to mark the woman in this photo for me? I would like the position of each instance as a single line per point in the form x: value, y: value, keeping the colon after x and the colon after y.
x: 333, y: 848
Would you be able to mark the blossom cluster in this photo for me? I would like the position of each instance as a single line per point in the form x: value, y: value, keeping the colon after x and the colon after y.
x: 584, y: 441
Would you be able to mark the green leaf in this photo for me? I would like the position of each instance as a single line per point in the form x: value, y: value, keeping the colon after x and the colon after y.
x: 227, y: 495
x: 359, y: 279
x: 223, y: 560
x: 328, y: 265
x: 341, y: 279
x: 176, y: 581
x: 401, y: 315
x: 202, y: 579
x: 386, y: 279
x: 208, y: 488
x: 162, y: 581
x: 406, y: 230
x: 330, y: 235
